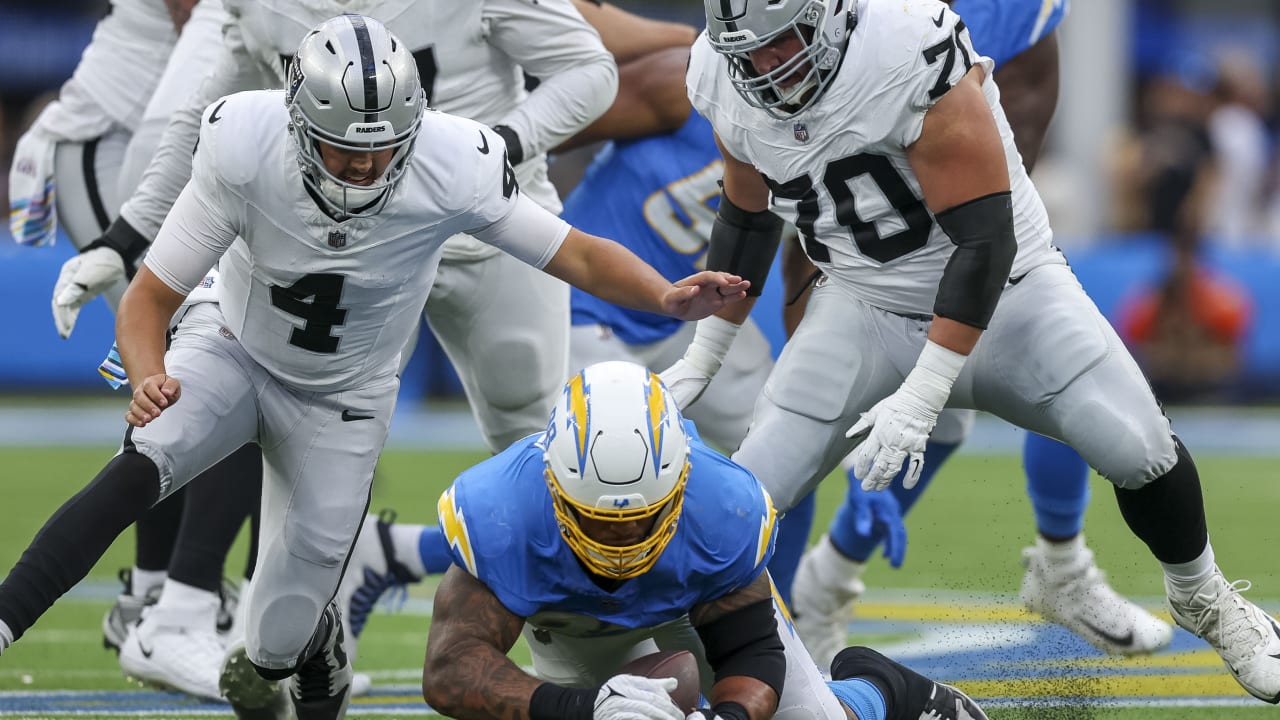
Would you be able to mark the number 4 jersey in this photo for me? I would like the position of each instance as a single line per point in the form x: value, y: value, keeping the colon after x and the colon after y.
x: 839, y: 169
x: 326, y: 305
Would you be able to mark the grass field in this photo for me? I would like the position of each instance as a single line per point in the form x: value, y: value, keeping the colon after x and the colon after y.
x: 962, y: 570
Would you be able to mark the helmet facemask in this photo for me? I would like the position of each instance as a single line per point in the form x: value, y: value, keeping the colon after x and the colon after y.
x: 353, y: 86
x: 617, y: 452
x: 822, y: 38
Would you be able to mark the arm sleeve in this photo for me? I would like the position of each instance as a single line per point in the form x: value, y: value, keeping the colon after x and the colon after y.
x: 552, y: 42
x: 198, y: 229
x: 169, y: 170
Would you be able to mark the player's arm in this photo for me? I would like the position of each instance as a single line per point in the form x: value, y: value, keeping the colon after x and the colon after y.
x: 651, y: 99
x: 1029, y: 95
x: 467, y: 673
x: 629, y: 36
x: 578, y: 77
x: 740, y: 634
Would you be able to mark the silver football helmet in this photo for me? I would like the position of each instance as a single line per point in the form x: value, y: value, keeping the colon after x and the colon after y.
x: 353, y: 85
x: 738, y: 27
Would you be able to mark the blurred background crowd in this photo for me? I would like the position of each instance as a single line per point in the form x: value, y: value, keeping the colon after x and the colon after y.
x: 1161, y: 175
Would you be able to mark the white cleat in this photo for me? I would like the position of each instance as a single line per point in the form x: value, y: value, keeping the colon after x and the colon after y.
x: 822, y: 596
x: 361, y: 684
x: 1074, y: 593
x: 1247, y: 638
x: 172, y: 652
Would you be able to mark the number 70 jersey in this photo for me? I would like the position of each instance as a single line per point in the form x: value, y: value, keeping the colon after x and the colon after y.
x: 839, y: 169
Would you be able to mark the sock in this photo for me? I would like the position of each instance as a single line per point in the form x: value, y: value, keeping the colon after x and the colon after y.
x: 432, y: 553
x: 181, y: 595
x: 6, y: 636
x: 1060, y: 552
x: 843, y: 534
x: 793, y: 538
x: 1183, y: 579
x: 143, y: 581
x: 860, y: 696
x: 157, y: 530
x: 1058, y: 485
x: 1168, y: 513
x: 217, y: 503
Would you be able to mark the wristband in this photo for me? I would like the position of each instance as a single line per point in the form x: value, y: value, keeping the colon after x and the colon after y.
x: 935, y: 372
x: 554, y: 702
x: 711, y: 342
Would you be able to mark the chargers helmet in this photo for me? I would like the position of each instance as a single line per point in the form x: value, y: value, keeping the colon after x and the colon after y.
x: 355, y: 86
x: 616, y: 450
x: 738, y: 27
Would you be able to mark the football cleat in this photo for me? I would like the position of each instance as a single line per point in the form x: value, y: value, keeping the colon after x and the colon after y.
x: 822, y: 596
x: 361, y: 684
x: 252, y: 697
x: 949, y: 703
x: 228, y: 606
x: 1075, y: 594
x: 125, y: 613
x: 169, y: 651
x: 942, y: 702
x: 372, y: 570
x: 321, y: 689
x: 1246, y: 637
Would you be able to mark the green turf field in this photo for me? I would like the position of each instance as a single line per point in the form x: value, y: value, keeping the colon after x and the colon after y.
x: 965, y: 538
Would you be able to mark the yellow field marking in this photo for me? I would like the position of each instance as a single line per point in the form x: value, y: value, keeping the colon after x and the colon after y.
x: 1111, y: 686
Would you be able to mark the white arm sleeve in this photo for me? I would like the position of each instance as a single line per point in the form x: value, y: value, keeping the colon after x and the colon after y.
x: 529, y: 232
x: 552, y: 42
x: 169, y: 170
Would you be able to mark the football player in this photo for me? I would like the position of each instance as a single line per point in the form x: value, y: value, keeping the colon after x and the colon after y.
x: 329, y: 219
x: 1062, y: 582
x: 614, y: 531
x: 873, y: 127
x: 503, y: 324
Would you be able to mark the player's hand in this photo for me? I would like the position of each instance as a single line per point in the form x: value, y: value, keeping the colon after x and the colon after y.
x: 894, y: 430
x: 685, y: 382
x: 151, y: 397
x: 702, y: 294
x: 632, y: 697
x: 83, y: 278
x: 879, y: 510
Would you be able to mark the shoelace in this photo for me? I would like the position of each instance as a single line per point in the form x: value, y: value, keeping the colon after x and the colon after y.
x: 1234, y: 621
x: 366, y: 597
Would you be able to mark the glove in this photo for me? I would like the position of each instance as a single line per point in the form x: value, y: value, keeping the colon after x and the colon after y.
x: 872, y: 510
x: 631, y: 697
x: 896, y: 429
x: 727, y: 710
x: 688, y: 378
x: 83, y: 278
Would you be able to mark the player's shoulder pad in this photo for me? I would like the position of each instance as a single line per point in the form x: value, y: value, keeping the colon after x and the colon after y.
x: 466, y: 157
x: 920, y: 47
x: 726, y: 501
x: 236, y: 129
x: 705, y: 73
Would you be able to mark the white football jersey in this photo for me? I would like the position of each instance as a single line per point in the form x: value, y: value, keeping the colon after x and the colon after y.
x: 839, y: 169
x: 469, y: 57
x: 327, y: 305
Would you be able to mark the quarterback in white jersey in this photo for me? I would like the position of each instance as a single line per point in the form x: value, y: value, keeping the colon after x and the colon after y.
x: 330, y: 203
x: 510, y: 347
x: 876, y: 128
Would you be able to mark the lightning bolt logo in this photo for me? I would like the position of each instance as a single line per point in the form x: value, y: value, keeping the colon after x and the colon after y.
x: 455, y: 530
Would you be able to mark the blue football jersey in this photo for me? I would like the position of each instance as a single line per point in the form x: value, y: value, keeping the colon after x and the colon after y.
x: 658, y: 196
x: 498, y: 520
x: 1002, y: 29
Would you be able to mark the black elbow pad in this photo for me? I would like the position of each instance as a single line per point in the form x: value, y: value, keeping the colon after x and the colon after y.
x: 746, y: 642
x: 744, y: 243
x: 982, y: 231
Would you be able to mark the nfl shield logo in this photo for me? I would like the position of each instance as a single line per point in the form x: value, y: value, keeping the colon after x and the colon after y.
x: 802, y: 132
x: 337, y: 238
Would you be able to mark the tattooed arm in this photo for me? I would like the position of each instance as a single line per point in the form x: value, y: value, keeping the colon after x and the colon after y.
x: 740, y: 634
x: 467, y: 674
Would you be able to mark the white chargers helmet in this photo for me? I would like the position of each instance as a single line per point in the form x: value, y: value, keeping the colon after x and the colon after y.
x: 355, y: 86
x: 617, y: 451
x: 737, y: 27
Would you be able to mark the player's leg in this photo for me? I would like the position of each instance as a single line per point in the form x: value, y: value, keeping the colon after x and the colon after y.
x: 1086, y: 389
x: 829, y: 578
x: 877, y: 688
x: 217, y: 413
x: 318, y: 471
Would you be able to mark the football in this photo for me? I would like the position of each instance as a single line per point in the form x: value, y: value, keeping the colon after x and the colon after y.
x: 678, y: 664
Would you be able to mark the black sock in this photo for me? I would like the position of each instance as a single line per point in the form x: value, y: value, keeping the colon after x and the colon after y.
x: 75, y: 538
x: 156, y: 532
x: 1168, y: 513
x: 218, y: 501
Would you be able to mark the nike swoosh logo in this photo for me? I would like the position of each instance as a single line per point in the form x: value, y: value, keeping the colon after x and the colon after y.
x: 1276, y: 629
x: 146, y: 651
x: 1122, y: 640
x: 349, y: 416
x: 484, y: 144
x: 938, y: 22
x: 214, y: 116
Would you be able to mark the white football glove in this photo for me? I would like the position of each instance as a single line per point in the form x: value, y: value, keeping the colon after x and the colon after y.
x: 632, y: 697
x: 896, y: 429
x: 688, y: 378
x: 83, y: 278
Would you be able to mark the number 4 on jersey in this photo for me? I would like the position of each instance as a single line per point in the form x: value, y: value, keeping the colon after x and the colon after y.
x: 314, y: 298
